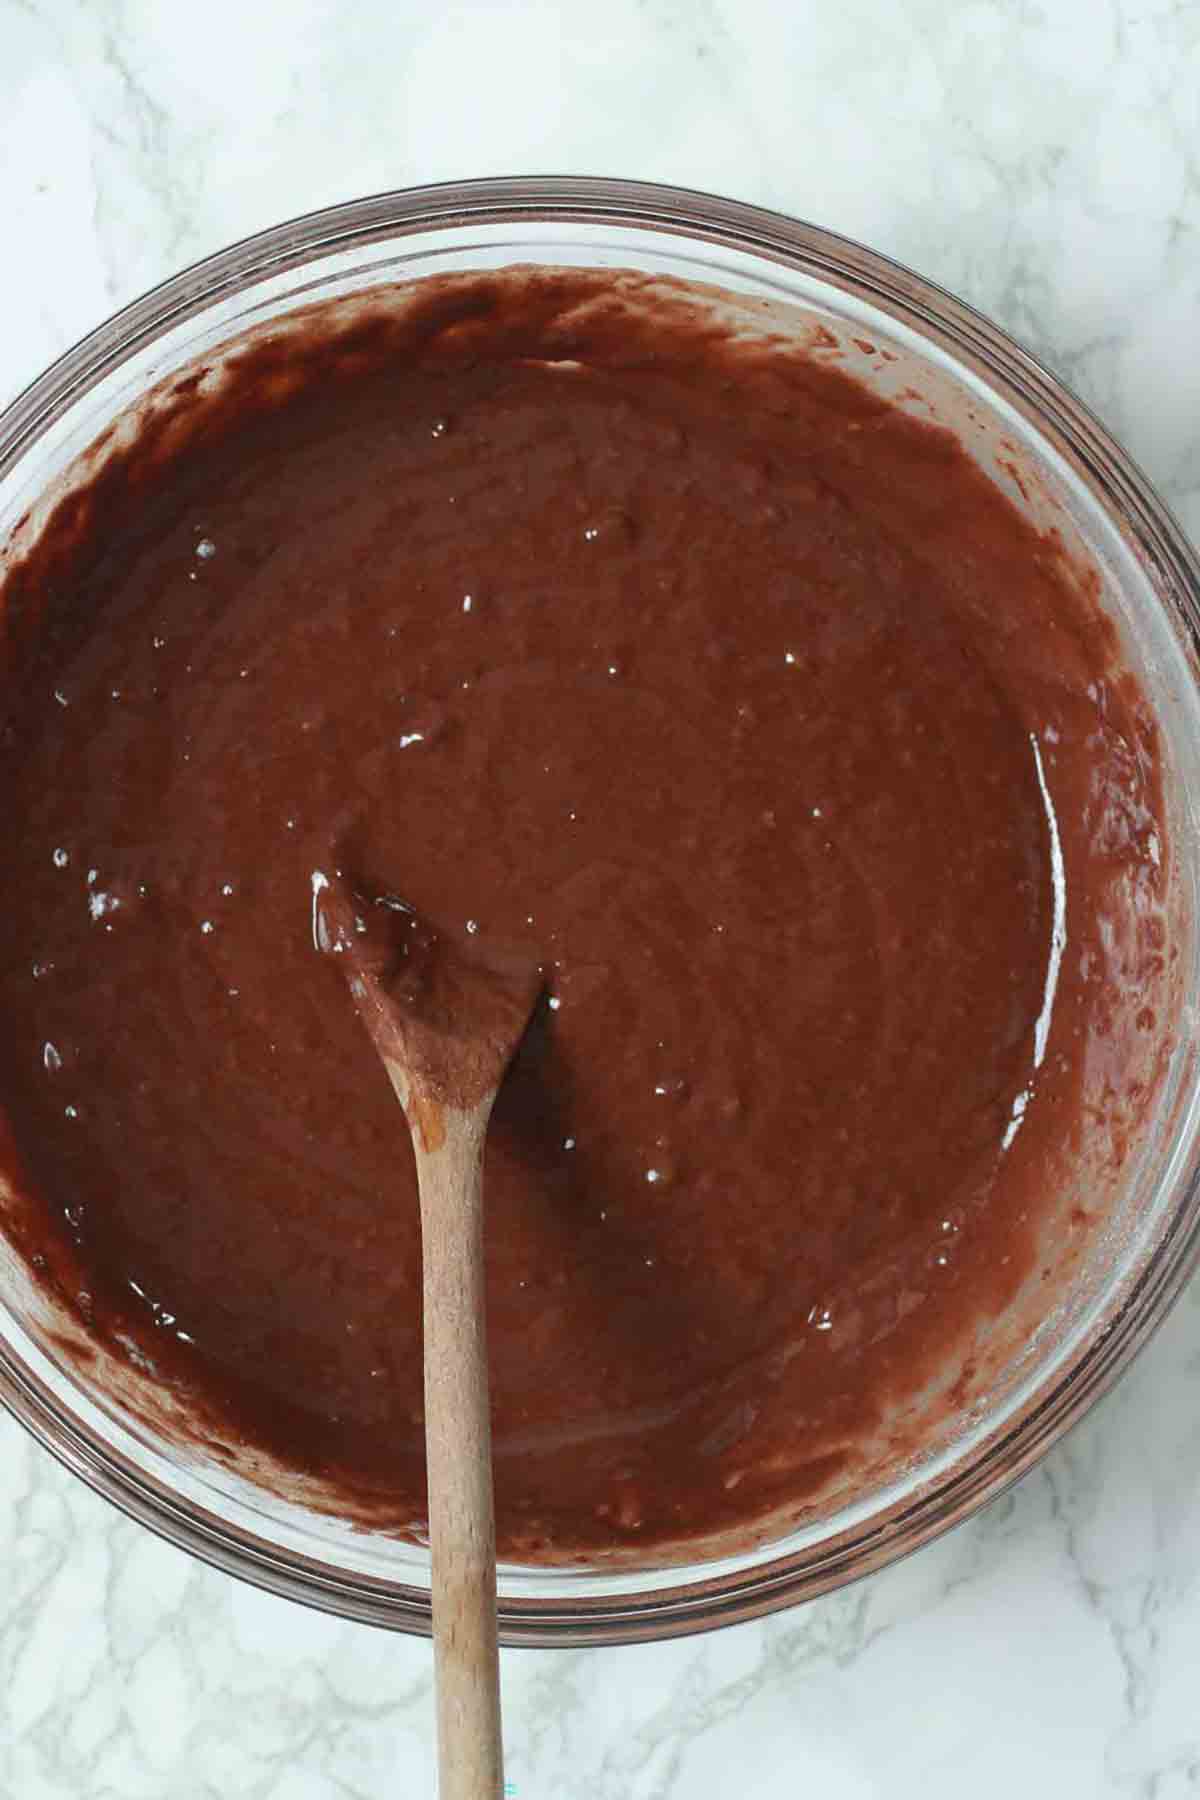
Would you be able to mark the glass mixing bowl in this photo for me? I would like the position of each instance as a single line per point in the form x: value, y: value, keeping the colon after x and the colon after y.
x: 1060, y: 466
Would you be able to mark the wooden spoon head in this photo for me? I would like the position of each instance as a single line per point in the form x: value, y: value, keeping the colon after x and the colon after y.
x: 445, y: 1020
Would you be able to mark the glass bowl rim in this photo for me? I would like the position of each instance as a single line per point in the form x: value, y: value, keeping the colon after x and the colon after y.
x: 1049, y: 407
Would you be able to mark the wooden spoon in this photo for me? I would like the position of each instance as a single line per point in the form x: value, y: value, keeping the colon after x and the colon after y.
x: 446, y: 1028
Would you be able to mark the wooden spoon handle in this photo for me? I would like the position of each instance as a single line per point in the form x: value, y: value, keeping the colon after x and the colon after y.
x: 458, y: 1437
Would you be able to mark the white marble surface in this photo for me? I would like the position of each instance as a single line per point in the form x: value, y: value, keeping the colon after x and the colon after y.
x: 1041, y: 159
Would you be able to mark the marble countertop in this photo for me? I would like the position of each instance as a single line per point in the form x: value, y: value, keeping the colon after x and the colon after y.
x: 1043, y: 161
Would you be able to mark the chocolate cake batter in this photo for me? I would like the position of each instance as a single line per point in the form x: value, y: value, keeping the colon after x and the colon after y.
x: 607, y: 634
